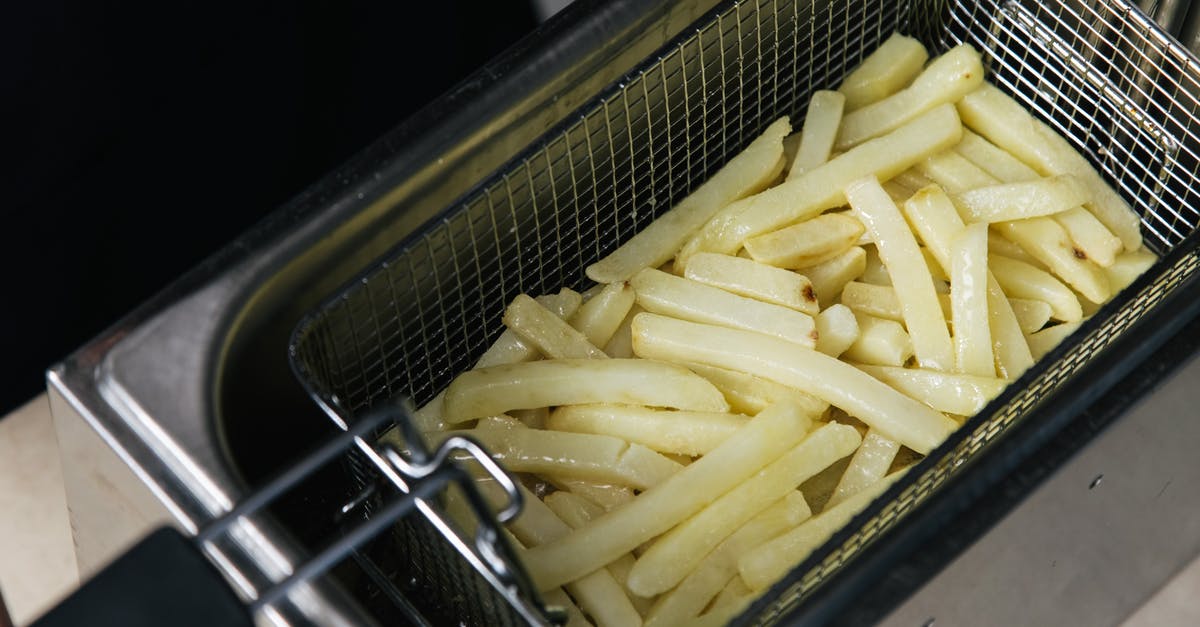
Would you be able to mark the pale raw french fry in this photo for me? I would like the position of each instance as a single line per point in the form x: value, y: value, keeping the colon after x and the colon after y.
x: 945, y: 80
x: 1090, y: 235
x: 791, y: 145
x: 1045, y: 340
x: 682, y: 549
x: 577, y: 512
x: 936, y: 270
x: 681, y: 432
x: 1001, y: 245
x: 893, y: 65
x: 869, y: 464
x: 882, y: 342
x: 766, y: 437
x: 510, y: 349
x: 1032, y: 315
x: 606, y: 495
x: 914, y: 287
x: 835, y: 382
x: 881, y: 301
x: 968, y: 299
x: 621, y: 344
x: 549, y: 334
x: 899, y: 193
x: 493, y: 391
x: 748, y: 394
x: 733, y: 592
x: 597, y: 458
x: 954, y: 173
x: 1021, y: 280
x: 961, y: 394
x: 912, y: 179
x: 1129, y: 266
x: 689, y: 598
x: 429, y: 416
x: 807, y: 243
x: 532, y: 418
x: 721, y: 616
x: 820, y: 128
x: 876, y: 273
x: 750, y: 171
x: 771, y: 560
x: 1008, y: 342
x: 830, y: 277
x: 822, y: 188
x: 600, y: 316
x: 1018, y: 201
x: 1005, y: 123
x: 751, y: 279
x: 558, y: 598
x: 837, y: 330
x: 662, y: 293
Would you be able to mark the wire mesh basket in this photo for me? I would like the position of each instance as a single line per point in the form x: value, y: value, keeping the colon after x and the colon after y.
x: 1100, y: 73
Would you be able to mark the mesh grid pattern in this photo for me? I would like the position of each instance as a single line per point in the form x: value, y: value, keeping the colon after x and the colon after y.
x: 1096, y: 71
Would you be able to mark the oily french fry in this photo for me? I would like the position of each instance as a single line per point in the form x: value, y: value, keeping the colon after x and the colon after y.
x: 1021, y: 200
x: 767, y: 436
x: 835, y: 382
x: 549, y: 334
x: 807, y: 243
x: 620, y: 346
x: 1004, y: 122
x: 680, y: 550
x: 893, y: 65
x: 762, y: 566
x: 606, y: 495
x: 876, y: 273
x: 822, y: 188
x: 912, y: 179
x: 914, y: 287
x: 510, y: 349
x: 881, y: 301
x: 1001, y: 245
x: 969, y: 277
x: 599, y: 317
x: 945, y: 80
x: 688, y: 599
x: 1009, y: 345
x: 1127, y: 267
x: 937, y: 272
x: 830, y: 277
x: 751, y: 279
x: 1049, y: 243
x: 820, y: 129
x: 882, y: 342
x: 1021, y: 280
x: 596, y: 458
x: 869, y: 464
x: 837, y: 330
x: 665, y: 431
x: 662, y: 293
x: 1032, y: 315
x: 791, y: 145
x: 1090, y: 235
x: 750, y: 171
x: 748, y: 394
x: 961, y: 394
x: 1045, y: 340
x: 493, y: 391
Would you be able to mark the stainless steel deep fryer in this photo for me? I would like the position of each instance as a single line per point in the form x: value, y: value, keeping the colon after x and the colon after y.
x: 624, y: 116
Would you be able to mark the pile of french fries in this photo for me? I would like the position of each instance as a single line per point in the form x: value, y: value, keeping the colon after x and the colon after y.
x: 773, y: 352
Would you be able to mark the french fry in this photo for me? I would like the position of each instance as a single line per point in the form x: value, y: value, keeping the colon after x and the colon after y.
x: 1018, y: 201
x: 791, y: 145
x: 532, y: 418
x: 945, y: 80
x: 620, y: 345
x: 551, y: 335
x: 881, y: 301
x: 1127, y: 267
x: 869, y: 464
x: 1032, y: 315
x: 820, y: 128
x: 751, y: 279
x: 830, y: 277
x: 807, y: 243
x: 837, y: 330
x: 938, y: 273
x: 733, y: 592
x: 558, y: 598
x: 1045, y: 340
x: 876, y: 273
x: 822, y: 188
x: 766, y: 437
x: 748, y: 394
x: 680, y: 432
x: 969, y: 276
x: 510, y: 349
x: 765, y: 564
x: 1008, y: 342
x: 1005, y: 123
x: 837, y: 383
x: 720, y: 616
x: 1021, y: 280
x: 880, y: 341
x: 893, y: 65
x: 682, y: 549
x: 1001, y: 245
x: 606, y: 495
x: 750, y: 171
x: 600, y: 316
x: 914, y: 287
x: 912, y: 179
x: 659, y: 292
x: 493, y: 391
x: 961, y: 394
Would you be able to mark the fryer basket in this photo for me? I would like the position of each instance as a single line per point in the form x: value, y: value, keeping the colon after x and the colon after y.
x: 1100, y: 72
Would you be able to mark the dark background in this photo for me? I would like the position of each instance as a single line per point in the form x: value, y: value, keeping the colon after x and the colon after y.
x: 141, y: 136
